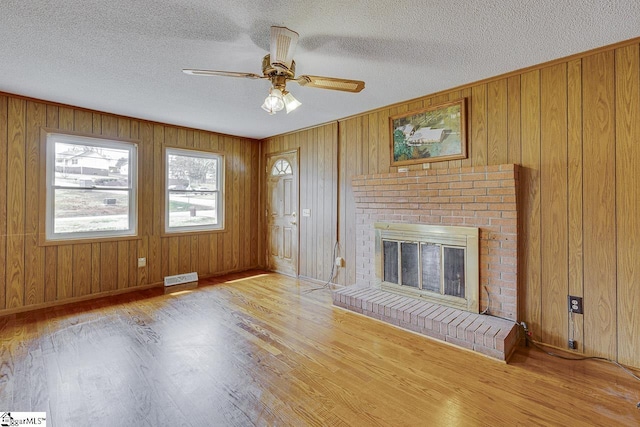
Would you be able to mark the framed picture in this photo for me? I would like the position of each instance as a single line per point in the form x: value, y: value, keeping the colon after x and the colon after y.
x: 431, y: 134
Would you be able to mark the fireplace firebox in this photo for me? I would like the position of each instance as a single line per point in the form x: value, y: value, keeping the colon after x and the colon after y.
x: 437, y: 263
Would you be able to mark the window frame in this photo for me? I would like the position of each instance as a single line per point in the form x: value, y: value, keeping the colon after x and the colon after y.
x: 220, y: 191
x: 49, y: 138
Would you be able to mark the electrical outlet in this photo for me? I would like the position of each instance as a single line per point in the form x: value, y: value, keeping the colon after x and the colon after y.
x: 142, y: 262
x: 575, y: 304
x: 339, y: 262
x: 573, y: 345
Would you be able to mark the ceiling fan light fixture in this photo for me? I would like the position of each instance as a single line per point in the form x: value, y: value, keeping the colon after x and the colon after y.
x: 290, y: 103
x: 273, y: 102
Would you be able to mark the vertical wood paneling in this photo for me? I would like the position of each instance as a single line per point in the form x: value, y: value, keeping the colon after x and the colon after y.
x: 183, y: 254
x: 109, y: 266
x: 143, y: 252
x: 51, y: 273
x: 97, y: 123
x: 529, y: 241
x: 321, y: 194
x: 95, y: 268
x: 384, y: 156
x: 156, y: 264
x: 235, y: 205
x: 627, y: 67
x: 82, y: 268
x: 124, y: 127
x: 335, y: 222
x: 66, y: 118
x: 133, y: 264
x: 459, y: 94
x: 256, y: 231
x: 146, y: 178
x: 170, y: 250
x: 349, y: 218
x: 123, y: 264
x: 313, y: 191
x: 241, y: 213
x: 304, y: 180
x: 3, y: 199
x: 574, y: 193
x: 598, y: 93
x: 497, y: 118
x: 478, y: 130
x: 135, y: 129
x: 513, y: 120
x: 366, y: 143
x: 34, y: 256
x: 64, y: 279
x: 374, y: 146
x: 14, y: 272
x: 109, y: 125
x: 83, y: 121
x: 245, y: 206
x: 553, y: 198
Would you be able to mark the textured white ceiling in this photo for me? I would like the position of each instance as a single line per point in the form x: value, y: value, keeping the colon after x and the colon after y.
x: 126, y: 56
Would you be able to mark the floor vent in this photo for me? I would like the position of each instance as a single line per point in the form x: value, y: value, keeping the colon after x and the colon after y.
x: 180, y: 278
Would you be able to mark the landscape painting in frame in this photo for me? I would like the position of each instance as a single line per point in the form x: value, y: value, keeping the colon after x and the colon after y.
x: 431, y: 134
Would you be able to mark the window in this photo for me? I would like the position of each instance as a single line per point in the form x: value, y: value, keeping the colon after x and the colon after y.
x: 88, y: 194
x: 193, y: 190
x: 281, y: 167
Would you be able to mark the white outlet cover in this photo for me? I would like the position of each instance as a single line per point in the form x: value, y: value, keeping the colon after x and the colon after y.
x: 142, y: 262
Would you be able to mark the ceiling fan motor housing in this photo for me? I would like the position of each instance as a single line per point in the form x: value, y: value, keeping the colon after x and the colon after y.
x: 269, y: 69
x: 277, y: 73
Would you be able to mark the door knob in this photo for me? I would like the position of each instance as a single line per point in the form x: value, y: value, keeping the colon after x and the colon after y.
x: 293, y: 223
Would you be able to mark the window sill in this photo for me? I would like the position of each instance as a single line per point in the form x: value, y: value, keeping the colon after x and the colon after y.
x: 44, y: 242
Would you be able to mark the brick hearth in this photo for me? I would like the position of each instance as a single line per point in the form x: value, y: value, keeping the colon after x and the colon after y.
x: 488, y: 335
x: 483, y: 197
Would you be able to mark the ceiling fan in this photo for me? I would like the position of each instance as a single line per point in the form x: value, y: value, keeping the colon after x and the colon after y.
x: 279, y: 67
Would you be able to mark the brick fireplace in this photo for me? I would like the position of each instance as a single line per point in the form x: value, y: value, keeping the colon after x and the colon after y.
x: 482, y: 197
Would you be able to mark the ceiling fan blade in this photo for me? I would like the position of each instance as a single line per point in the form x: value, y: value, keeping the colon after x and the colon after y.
x: 283, y: 45
x: 331, y: 83
x: 193, y: 72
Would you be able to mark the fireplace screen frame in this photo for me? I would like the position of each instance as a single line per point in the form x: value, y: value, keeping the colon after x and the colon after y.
x: 466, y: 238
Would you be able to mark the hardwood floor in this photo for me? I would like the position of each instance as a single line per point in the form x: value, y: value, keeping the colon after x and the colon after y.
x: 259, y: 349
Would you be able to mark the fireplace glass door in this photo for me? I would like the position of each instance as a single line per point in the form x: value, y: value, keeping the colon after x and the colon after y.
x: 430, y: 267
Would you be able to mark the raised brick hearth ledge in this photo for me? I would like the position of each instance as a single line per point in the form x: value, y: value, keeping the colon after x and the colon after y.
x: 491, y: 336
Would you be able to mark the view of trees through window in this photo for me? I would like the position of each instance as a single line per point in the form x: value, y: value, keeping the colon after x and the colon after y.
x: 192, y: 190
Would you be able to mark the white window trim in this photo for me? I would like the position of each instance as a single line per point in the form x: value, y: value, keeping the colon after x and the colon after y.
x: 220, y: 202
x: 131, y: 147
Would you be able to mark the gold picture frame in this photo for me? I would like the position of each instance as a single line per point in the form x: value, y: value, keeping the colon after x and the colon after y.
x: 433, y: 134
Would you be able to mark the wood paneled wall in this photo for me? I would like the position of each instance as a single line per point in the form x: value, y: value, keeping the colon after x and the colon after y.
x: 574, y: 126
x: 33, y: 275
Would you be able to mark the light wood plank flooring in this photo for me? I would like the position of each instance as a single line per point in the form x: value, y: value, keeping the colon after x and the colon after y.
x: 259, y: 349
